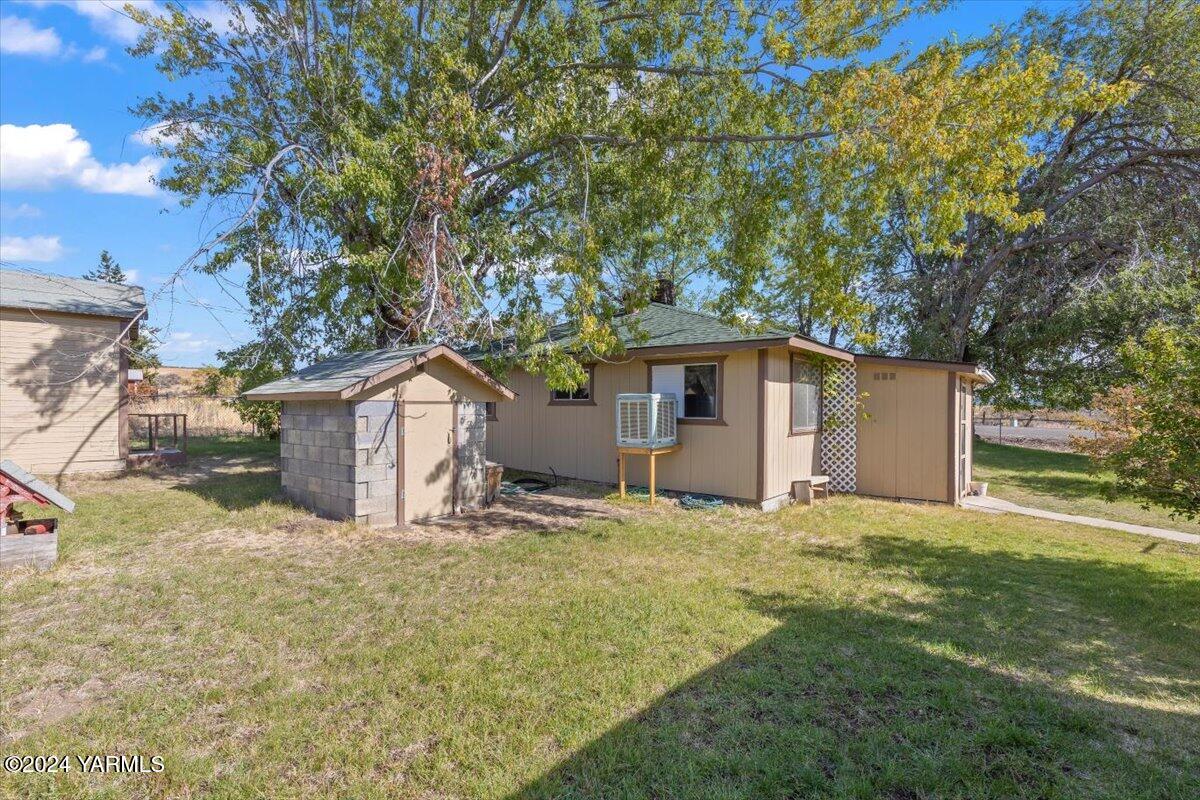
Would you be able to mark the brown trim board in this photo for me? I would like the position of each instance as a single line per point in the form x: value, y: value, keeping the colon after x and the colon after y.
x: 123, y: 403
x: 952, y: 461
x: 761, y: 461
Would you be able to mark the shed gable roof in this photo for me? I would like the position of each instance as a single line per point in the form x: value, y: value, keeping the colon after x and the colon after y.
x: 43, y: 292
x: 345, y: 375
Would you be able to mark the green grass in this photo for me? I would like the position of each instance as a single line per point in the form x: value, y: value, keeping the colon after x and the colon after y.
x: 1061, y: 482
x: 856, y: 649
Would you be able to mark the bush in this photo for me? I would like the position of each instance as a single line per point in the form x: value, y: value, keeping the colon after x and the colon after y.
x: 1151, y: 435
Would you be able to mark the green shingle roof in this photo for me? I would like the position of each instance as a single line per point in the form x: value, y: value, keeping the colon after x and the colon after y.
x: 659, y: 325
x: 41, y: 292
x: 341, y: 371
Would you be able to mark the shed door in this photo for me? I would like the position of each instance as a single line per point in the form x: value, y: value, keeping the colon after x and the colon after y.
x: 472, y: 454
x: 428, y: 460
x: 904, y: 446
x: 876, y: 445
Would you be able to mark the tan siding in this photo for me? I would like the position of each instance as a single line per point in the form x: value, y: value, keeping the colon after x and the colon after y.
x: 439, y: 379
x: 429, y: 397
x: 579, y: 441
x: 904, y: 435
x: 59, y: 392
x: 788, y: 458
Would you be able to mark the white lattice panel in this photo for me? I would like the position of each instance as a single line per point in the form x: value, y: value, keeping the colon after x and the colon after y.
x: 839, y: 430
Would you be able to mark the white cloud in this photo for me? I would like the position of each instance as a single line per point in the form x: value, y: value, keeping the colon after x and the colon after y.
x: 108, y: 17
x: 22, y: 211
x: 186, y: 343
x: 131, y: 276
x: 42, y: 156
x: 30, y: 248
x: 21, y: 37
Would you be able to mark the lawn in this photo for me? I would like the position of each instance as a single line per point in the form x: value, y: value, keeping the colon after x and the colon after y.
x: 1061, y: 482
x: 856, y: 649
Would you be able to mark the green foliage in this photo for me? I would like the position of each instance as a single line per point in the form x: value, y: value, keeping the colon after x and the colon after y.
x: 241, y: 369
x: 107, y: 270
x: 1151, y: 434
x: 143, y: 349
x: 1116, y: 239
x: 444, y: 171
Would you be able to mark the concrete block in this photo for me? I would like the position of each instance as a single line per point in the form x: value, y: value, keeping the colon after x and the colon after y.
x: 376, y: 472
x: 385, y: 519
x: 375, y: 505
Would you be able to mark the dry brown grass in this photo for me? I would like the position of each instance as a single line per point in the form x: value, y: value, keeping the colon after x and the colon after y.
x: 207, y: 416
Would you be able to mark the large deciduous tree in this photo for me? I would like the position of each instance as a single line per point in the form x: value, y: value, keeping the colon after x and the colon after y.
x: 396, y: 172
x: 1116, y: 243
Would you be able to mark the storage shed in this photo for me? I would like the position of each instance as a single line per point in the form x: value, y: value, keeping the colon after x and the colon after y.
x: 64, y: 404
x: 385, y: 437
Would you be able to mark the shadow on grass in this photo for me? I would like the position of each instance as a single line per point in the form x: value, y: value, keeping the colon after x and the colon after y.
x: 960, y: 693
x: 1062, y: 475
x: 239, y: 490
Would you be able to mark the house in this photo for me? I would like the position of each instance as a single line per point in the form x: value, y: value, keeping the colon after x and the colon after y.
x: 63, y: 364
x: 759, y: 412
x: 385, y: 437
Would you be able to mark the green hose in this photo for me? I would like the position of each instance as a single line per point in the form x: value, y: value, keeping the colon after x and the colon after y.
x: 700, y: 501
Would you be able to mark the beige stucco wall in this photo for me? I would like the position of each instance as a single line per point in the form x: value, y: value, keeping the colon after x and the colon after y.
x: 904, y: 436
x: 579, y: 440
x: 429, y: 396
x: 59, y: 392
x: 788, y: 458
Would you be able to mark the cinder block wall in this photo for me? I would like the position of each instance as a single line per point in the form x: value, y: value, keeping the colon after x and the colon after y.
x: 339, y: 458
x: 318, y: 455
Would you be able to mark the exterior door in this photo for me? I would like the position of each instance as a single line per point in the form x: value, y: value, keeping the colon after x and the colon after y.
x: 471, y: 454
x: 428, y: 459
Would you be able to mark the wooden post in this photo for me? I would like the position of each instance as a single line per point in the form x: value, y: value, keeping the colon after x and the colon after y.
x: 175, y: 431
x: 651, y: 477
x: 185, y: 433
x: 621, y: 471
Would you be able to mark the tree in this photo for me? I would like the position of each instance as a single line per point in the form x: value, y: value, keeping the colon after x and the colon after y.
x: 1114, y: 188
x: 409, y: 172
x: 1149, y: 434
x: 143, y: 347
x: 108, y: 270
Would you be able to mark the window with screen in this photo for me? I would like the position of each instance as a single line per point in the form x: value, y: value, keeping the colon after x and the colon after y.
x: 806, y: 395
x: 490, y: 411
x: 582, y: 394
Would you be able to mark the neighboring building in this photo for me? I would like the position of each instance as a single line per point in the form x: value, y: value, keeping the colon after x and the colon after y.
x: 63, y: 381
x: 345, y: 456
x: 758, y: 410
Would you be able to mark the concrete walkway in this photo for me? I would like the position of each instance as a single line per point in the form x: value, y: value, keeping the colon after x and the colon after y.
x: 994, y: 505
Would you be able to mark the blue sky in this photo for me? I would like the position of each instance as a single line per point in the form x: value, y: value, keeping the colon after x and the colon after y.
x: 79, y: 182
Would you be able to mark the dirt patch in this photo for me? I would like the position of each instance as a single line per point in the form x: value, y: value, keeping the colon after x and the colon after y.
x: 36, y: 708
x: 565, y: 507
